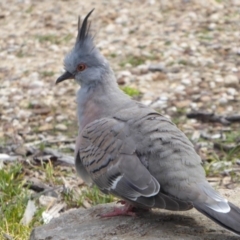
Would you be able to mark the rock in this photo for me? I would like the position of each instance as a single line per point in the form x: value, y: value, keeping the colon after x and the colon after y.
x: 140, y: 69
x: 160, y: 103
x: 159, y: 76
x: 61, y: 127
x: 174, y: 70
x: 156, y: 224
x: 124, y: 77
x: 54, y: 47
x: 21, y: 150
x: 231, y: 81
x: 110, y: 28
x: 47, y: 200
x: 186, y: 81
x: 157, y: 67
x: 205, y: 98
x: 218, y: 79
x: 5, y: 157
x: 36, y: 83
x: 215, y: 17
x: 122, y: 19
x: 182, y: 104
x: 45, y: 127
x: 232, y: 91
x: 34, y: 76
x: 61, y: 118
x: 212, y: 26
x: 223, y: 100
x: 179, y: 89
x: 48, y: 119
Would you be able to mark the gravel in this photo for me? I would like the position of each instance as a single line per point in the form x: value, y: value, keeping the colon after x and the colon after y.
x: 179, y: 54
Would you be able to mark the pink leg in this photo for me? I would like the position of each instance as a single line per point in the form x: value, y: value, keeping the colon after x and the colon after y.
x: 127, y: 209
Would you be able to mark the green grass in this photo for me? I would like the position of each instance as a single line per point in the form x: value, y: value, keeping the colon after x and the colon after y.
x: 167, y: 43
x: 113, y: 55
x: 13, y: 201
x: 92, y: 195
x: 54, y: 39
x: 48, y: 38
x: 132, y: 92
x: 20, y: 54
x: 47, y: 73
x: 217, y: 164
x: 179, y: 116
x: 183, y: 62
x: 135, y: 61
x: 206, y: 37
x: 231, y: 136
x: 219, y: 161
x: 95, y: 196
x: 72, y: 198
x: 14, y: 196
x: 30, y: 9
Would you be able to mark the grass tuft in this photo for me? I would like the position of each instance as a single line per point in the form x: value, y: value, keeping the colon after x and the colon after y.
x: 132, y: 92
x: 13, y: 201
x: 54, y: 39
x: 136, y: 61
x: 95, y: 196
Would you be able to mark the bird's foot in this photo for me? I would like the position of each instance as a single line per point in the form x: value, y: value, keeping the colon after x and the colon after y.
x: 126, y: 210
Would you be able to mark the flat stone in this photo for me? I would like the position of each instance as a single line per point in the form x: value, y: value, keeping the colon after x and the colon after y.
x: 85, y: 224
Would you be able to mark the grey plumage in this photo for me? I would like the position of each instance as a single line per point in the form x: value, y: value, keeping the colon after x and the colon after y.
x: 132, y: 151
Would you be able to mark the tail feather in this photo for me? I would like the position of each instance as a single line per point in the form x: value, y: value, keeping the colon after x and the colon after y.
x: 229, y: 220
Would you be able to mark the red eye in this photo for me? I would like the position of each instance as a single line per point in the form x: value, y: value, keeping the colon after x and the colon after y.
x: 81, y: 67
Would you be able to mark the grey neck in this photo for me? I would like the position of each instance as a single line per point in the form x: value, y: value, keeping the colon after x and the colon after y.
x: 103, y: 99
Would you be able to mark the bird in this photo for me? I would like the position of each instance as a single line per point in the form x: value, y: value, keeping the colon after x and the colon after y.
x: 131, y: 151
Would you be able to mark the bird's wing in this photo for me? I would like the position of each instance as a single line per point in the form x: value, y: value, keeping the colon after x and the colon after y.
x: 171, y: 158
x: 108, y: 154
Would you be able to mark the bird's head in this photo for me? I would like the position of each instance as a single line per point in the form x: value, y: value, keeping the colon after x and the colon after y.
x: 84, y: 62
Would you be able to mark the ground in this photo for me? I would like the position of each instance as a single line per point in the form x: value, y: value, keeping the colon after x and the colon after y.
x: 179, y: 57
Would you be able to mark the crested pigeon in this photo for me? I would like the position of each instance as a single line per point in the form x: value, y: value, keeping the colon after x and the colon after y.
x: 131, y: 151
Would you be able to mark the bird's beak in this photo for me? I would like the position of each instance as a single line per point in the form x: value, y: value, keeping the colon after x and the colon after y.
x: 65, y: 76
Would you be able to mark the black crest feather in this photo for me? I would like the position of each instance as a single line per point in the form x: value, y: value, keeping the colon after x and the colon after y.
x: 83, y: 29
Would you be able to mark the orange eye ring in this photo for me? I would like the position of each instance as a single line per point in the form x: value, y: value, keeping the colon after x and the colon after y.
x: 81, y: 67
